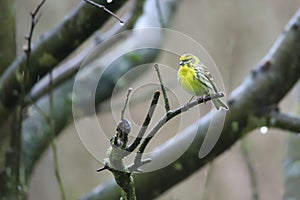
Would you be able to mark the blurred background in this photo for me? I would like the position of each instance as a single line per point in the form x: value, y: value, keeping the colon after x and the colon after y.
x: 236, y: 34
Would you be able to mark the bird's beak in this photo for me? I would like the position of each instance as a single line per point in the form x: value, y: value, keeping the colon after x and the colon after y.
x: 181, y: 63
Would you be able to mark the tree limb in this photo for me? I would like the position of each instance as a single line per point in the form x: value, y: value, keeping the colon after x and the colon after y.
x: 34, y: 144
x: 67, y: 69
x: 7, y: 34
x: 284, y: 121
x: 7, y: 54
x: 291, y: 159
x: 51, y: 49
x: 266, y: 85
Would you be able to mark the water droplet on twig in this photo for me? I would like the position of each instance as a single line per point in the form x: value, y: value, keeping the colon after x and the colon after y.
x: 264, y: 130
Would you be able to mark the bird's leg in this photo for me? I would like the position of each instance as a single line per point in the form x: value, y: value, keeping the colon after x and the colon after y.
x: 187, y: 103
x: 204, y: 97
x: 191, y: 98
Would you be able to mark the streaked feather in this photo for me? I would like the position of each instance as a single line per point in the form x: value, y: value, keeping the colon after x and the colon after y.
x: 195, y: 78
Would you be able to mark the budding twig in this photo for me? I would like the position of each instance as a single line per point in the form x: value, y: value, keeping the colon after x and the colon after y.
x: 167, y: 105
x: 34, y: 21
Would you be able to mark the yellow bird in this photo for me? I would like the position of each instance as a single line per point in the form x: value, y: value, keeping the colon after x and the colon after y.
x: 194, y: 77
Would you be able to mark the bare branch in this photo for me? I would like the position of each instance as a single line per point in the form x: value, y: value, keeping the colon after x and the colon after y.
x: 145, y: 123
x: 34, y: 21
x: 125, y: 104
x: 284, y: 121
x: 106, y: 10
x: 15, y: 180
x: 247, y: 100
x: 7, y: 34
x: 53, y: 47
x: 163, y: 89
x: 172, y: 113
x: 160, y: 13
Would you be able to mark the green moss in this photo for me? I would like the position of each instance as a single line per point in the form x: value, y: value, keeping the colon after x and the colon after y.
x: 235, y: 126
x: 47, y: 60
x: 76, y: 42
x: 257, y: 121
x: 134, y: 57
x: 178, y: 166
x: 19, y: 77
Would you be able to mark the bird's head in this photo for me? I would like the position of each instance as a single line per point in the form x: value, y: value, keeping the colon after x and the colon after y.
x: 189, y: 60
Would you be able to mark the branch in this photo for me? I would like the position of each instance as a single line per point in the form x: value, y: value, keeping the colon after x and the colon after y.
x: 7, y: 41
x: 118, y: 149
x: 291, y: 168
x: 167, y: 117
x: 126, y: 102
x: 14, y: 186
x: 33, y: 144
x: 160, y: 15
x: 245, y: 150
x: 51, y: 122
x: 173, y: 113
x: 146, y: 122
x: 270, y: 77
x: 106, y: 10
x: 67, y: 69
x: 34, y: 21
x: 50, y: 50
x: 284, y: 121
x: 167, y: 105
x: 272, y: 117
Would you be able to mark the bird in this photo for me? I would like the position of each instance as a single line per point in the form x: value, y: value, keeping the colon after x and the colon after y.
x: 195, y: 78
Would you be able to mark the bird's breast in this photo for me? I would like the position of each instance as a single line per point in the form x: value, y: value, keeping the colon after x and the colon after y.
x: 186, y: 78
x: 185, y: 71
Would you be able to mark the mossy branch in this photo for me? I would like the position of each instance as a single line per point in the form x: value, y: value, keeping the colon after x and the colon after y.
x: 284, y: 121
x: 119, y: 149
x: 51, y: 49
x: 7, y: 41
x: 14, y: 186
x: 246, y: 101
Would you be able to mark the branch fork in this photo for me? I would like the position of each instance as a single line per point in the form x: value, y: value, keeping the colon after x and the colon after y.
x: 119, y: 148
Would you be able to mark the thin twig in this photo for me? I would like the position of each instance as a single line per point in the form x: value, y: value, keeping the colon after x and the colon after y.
x: 27, y: 48
x: 138, y: 163
x: 169, y: 115
x: 146, y: 122
x: 126, y: 102
x: 284, y: 121
x: 206, y: 187
x: 167, y: 105
x: 174, y: 113
x: 105, y: 167
x: 50, y: 119
x: 106, y: 10
x: 253, y: 180
x: 38, y: 108
x: 34, y: 21
x: 70, y: 67
x: 53, y: 141
x: 16, y: 139
x: 160, y: 15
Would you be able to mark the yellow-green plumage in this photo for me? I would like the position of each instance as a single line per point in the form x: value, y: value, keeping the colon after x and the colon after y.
x: 194, y: 77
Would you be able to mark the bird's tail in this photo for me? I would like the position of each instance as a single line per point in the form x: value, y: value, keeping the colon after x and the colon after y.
x: 219, y: 104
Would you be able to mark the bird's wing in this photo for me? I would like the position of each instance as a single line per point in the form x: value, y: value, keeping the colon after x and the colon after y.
x: 208, y: 76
